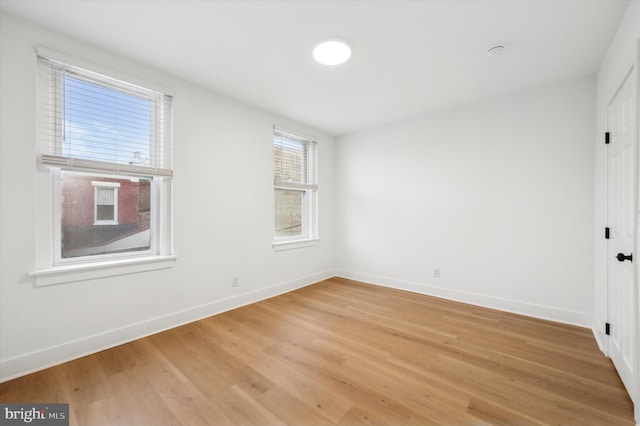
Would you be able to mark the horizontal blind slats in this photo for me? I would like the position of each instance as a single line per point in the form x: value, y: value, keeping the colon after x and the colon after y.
x: 105, y: 196
x: 93, y: 122
x: 294, y: 161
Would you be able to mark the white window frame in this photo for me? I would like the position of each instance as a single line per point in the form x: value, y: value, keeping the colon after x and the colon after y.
x: 160, y: 245
x: 113, y: 186
x: 309, y: 234
x: 50, y: 269
x: 309, y: 201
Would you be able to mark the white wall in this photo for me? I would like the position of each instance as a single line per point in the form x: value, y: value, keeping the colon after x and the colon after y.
x: 223, y: 218
x: 499, y: 195
x: 621, y: 56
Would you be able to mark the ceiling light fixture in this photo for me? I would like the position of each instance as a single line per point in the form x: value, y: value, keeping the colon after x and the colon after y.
x: 496, y: 50
x: 332, y: 52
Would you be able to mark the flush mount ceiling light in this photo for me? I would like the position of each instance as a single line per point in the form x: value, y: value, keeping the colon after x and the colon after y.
x: 332, y: 52
x: 496, y: 50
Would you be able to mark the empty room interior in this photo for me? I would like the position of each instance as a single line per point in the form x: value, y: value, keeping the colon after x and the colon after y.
x: 319, y: 212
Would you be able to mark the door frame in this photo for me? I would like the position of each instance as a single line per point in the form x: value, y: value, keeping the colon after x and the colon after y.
x: 636, y: 246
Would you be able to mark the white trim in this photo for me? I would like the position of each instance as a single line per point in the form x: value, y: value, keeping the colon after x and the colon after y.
x: 93, y: 270
x: 50, y: 255
x: 291, y: 245
x: 601, y: 338
x: 105, y: 184
x: 11, y: 368
x: 582, y: 319
x: 309, y: 217
x: 636, y: 237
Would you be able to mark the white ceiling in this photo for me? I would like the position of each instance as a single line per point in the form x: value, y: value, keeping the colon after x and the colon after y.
x: 409, y: 57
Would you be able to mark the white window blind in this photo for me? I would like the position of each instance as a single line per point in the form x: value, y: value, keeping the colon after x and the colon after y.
x: 294, y: 161
x: 105, y: 196
x: 91, y: 122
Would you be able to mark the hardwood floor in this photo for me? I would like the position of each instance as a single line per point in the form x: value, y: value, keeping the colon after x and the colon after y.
x: 342, y: 352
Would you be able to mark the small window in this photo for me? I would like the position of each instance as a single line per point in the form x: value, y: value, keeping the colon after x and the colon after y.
x: 108, y: 144
x: 105, y: 203
x: 295, y: 186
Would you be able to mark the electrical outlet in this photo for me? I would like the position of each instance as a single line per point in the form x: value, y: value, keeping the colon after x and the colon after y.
x: 436, y: 273
x: 235, y: 281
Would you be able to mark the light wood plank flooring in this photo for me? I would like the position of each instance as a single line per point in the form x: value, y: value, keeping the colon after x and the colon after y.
x: 342, y: 352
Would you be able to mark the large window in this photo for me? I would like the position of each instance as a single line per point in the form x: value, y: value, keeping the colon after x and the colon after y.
x: 295, y: 186
x: 107, y: 145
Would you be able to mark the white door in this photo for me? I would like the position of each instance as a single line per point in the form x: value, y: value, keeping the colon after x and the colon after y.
x: 622, y: 292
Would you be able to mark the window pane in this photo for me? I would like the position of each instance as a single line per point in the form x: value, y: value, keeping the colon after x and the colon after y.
x: 105, y: 124
x: 105, y: 196
x: 289, y: 161
x: 105, y: 212
x: 82, y: 237
x: 289, y: 213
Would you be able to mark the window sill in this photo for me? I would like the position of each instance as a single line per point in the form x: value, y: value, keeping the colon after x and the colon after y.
x: 88, y: 271
x: 291, y: 245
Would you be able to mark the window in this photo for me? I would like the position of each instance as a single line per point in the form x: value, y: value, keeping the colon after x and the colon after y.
x: 106, y: 144
x: 106, y: 203
x: 94, y: 222
x: 295, y: 187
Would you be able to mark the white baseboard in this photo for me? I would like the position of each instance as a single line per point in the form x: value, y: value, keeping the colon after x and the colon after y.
x: 582, y: 319
x: 12, y: 368
x: 601, y: 338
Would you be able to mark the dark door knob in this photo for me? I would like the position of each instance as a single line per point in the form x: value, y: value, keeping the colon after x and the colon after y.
x: 621, y: 257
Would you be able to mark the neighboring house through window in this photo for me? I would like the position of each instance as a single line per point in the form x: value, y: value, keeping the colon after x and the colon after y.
x: 295, y: 187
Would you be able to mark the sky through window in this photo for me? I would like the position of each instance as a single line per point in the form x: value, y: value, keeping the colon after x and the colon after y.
x: 104, y: 124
